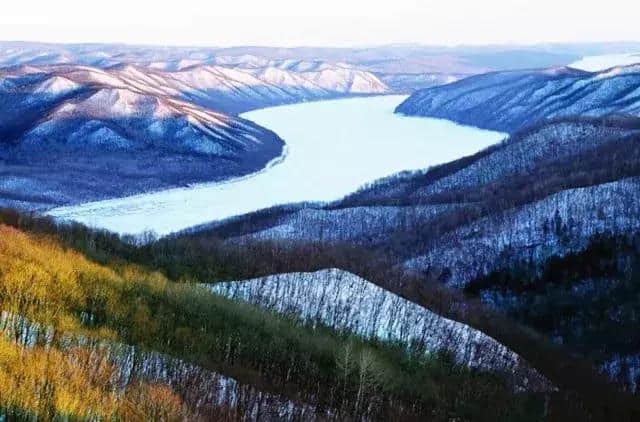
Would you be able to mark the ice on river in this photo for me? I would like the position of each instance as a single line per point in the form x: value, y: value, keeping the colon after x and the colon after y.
x: 606, y: 61
x: 333, y: 148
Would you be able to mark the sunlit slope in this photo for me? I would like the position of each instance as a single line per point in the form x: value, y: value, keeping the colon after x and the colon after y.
x: 74, y: 133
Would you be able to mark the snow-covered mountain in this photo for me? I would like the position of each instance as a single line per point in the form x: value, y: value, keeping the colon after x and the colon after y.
x: 245, y: 87
x: 506, y: 101
x: 79, y: 105
x: 71, y: 133
x: 146, y: 127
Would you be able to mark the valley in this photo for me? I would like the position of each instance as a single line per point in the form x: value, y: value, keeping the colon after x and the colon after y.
x: 332, y: 149
x: 400, y: 232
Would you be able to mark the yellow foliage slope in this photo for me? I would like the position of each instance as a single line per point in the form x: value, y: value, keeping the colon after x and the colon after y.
x: 41, y: 280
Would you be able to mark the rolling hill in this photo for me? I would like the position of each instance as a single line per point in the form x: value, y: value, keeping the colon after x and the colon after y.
x: 72, y: 133
x: 542, y: 195
x: 76, y: 133
x: 508, y: 101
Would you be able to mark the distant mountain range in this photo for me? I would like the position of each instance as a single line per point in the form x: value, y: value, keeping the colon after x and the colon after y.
x: 507, y: 101
x: 403, y: 68
x: 413, y: 58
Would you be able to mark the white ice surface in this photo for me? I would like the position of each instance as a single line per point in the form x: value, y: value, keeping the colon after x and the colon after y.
x: 333, y: 148
x: 607, y: 61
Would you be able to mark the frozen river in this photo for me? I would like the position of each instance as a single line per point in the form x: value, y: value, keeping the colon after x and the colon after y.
x: 606, y: 61
x: 333, y: 147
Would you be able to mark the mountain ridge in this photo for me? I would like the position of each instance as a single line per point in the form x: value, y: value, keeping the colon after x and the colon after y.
x: 154, y: 129
x: 508, y: 101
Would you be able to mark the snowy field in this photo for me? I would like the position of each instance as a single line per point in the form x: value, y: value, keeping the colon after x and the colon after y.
x: 333, y: 148
x: 597, y: 63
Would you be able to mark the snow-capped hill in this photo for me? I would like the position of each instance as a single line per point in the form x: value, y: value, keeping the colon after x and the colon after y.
x: 286, y: 79
x: 523, y: 152
x: 222, y: 88
x: 507, y: 101
x: 55, y: 86
x: 346, y: 302
x: 124, y: 129
x: 489, y: 244
x: 91, y: 76
x: 134, y: 120
x: 242, y: 88
x: 620, y: 70
x: 366, y: 83
x: 243, y: 60
x: 346, y: 80
x: 304, y: 65
x: 124, y: 93
x: 605, y: 61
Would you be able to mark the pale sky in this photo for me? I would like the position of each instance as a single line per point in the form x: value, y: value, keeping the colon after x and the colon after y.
x: 320, y: 22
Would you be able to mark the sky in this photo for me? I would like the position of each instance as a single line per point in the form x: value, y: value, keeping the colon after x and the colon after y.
x: 321, y: 22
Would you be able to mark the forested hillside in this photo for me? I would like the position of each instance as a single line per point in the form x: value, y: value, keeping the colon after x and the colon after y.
x: 502, y: 286
x: 545, y: 193
x: 84, y: 312
x: 508, y: 101
x: 587, y: 300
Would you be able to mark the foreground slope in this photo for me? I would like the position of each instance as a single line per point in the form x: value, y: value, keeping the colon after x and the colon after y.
x: 123, y: 342
x: 507, y: 101
x: 327, y: 297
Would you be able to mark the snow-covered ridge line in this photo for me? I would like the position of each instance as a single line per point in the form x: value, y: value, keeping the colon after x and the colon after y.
x: 346, y: 302
x: 605, y: 61
x: 489, y: 243
x: 227, y: 89
x: 507, y: 101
